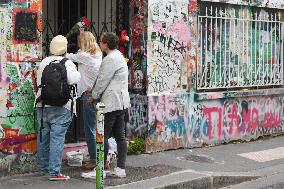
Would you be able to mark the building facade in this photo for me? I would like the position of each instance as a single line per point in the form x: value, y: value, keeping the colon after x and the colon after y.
x: 201, y: 72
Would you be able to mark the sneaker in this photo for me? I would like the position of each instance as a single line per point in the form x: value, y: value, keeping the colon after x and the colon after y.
x: 117, y: 172
x: 91, y: 175
x: 59, y: 177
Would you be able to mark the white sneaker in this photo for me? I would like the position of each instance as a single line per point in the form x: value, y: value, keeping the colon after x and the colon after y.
x: 91, y: 175
x: 117, y: 172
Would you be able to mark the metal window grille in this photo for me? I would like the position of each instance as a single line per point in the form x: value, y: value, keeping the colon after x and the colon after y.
x: 239, y: 47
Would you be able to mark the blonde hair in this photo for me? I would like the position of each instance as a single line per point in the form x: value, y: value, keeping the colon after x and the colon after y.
x: 88, y: 43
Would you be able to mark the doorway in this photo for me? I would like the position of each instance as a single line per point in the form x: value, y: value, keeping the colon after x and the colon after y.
x: 59, y: 16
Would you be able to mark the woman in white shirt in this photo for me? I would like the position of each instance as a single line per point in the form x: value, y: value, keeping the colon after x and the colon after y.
x: 89, y: 59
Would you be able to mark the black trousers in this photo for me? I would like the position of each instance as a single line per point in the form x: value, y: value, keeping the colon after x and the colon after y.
x: 115, y: 125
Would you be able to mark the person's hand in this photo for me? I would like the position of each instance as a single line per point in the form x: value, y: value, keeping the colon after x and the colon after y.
x: 91, y: 100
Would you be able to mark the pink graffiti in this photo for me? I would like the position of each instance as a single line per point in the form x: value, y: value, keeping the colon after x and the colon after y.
x: 208, y: 114
x: 162, y: 108
x: 179, y: 29
x: 248, y: 120
x: 159, y: 28
x: 156, y: 109
x: 271, y: 120
x: 234, y: 118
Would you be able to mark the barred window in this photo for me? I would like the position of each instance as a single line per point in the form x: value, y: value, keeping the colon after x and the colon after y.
x: 240, y: 47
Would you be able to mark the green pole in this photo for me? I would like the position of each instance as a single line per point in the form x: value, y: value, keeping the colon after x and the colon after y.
x: 100, y: 146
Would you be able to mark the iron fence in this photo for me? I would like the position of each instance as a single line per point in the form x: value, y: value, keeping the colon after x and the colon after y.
x: 239, y: 47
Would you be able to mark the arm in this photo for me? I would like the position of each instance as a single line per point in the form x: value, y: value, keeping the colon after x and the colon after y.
x: 105, y: 75
x: 73, y: 75
x: 78, y: 57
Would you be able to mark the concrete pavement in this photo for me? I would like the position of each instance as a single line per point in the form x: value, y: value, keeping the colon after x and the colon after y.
x: 208, y: 167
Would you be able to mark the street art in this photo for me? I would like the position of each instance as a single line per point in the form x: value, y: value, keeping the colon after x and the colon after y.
x: 176, y: 122
x: 138, y: 62
x: 187, y: 118
x: 229, y: 58
x: 138, y: 116
x: 20, y: 49
x: 138, y: 73
x: 259, y: 3
x: 167, y: 46
x: 137, y: 66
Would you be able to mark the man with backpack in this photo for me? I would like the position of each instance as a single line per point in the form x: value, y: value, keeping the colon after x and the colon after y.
x: 55, y: 107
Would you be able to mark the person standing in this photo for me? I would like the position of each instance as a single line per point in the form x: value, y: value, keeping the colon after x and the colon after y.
x: 89, y: 59
x: 111, y: 88
x: 54, y: 114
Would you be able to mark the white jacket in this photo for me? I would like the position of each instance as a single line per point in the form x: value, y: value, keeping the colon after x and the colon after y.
x: 112, y: 83
x: 88, y: 66
x: 73, y: 77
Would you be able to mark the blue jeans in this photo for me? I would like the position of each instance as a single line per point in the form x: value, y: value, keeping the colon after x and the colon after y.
x: 56, y: 121
x: 89, y: 117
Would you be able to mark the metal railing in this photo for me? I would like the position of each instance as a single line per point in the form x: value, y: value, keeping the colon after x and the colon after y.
x: 239, y: 48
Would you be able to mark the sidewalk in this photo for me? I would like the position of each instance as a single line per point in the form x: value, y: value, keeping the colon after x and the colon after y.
x: 206, y: 167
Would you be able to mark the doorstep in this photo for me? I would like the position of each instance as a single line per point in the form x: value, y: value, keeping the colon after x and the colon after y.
x: 74, y: 147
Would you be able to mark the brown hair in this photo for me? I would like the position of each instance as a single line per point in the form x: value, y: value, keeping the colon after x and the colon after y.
x: 110, y: 39
x: 88, y: 43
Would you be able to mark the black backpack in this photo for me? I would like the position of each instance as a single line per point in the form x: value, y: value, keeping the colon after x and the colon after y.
x: 55, y: 90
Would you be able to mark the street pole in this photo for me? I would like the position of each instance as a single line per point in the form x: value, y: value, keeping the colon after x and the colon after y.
x: 100, y: 146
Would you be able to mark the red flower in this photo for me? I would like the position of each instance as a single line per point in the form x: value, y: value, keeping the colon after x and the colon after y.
x: 86, y: 21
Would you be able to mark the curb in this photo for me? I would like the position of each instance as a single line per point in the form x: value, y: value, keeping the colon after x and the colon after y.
x: 190, y: 179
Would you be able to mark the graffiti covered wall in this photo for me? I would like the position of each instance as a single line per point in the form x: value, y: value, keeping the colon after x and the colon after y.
x: 20, y: 49
x: 167, y: 46
x: 177, y: 121
x: 138, y: 69
x: 178, y: 114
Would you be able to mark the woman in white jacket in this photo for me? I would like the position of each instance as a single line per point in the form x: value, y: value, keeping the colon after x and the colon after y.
x: 89, y: 59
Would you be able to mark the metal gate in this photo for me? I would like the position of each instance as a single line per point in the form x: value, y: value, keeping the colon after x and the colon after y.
x: 59, y: 17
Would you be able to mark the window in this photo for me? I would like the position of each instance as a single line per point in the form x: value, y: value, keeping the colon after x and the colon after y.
x: 240, y: 47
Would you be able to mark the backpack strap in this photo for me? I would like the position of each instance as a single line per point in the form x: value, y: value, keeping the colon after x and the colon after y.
x: 72, y: 87
x: 63, y: 60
